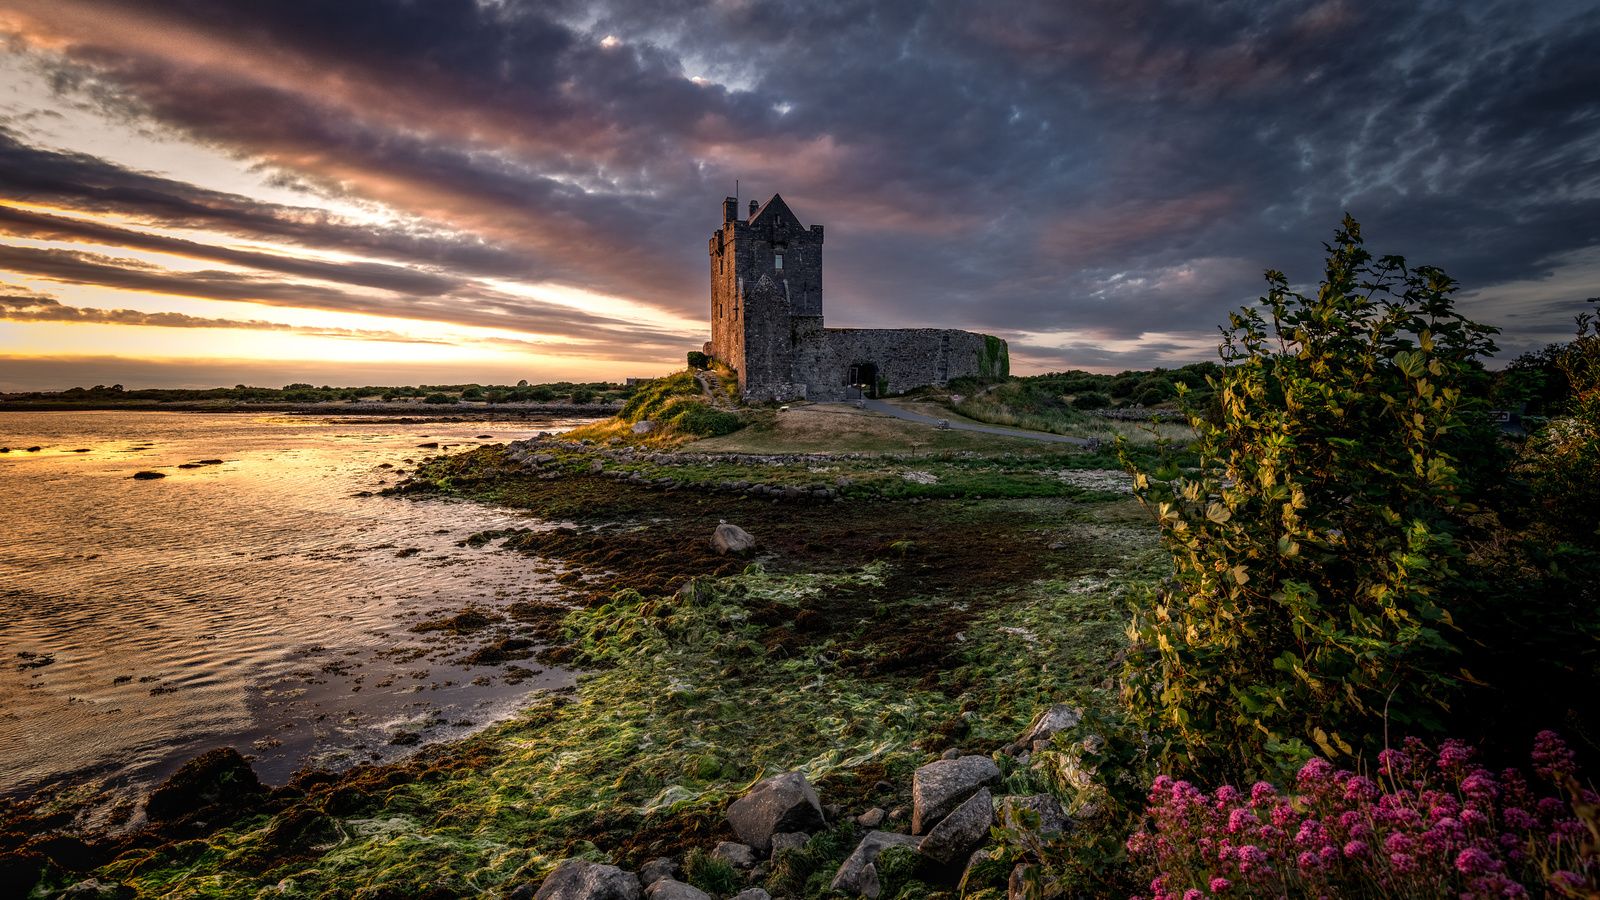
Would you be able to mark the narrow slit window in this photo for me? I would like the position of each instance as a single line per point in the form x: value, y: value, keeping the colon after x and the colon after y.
x: 777, y: 260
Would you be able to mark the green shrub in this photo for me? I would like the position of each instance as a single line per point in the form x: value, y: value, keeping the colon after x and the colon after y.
x: 1091, y: 400
x: 1124, y: 386
x: 700, y: 419
x: 1152, y: 396
x: 440, y: 398
x: 1562, y: 459
x: 1318, y: 550
x: 698, y: 360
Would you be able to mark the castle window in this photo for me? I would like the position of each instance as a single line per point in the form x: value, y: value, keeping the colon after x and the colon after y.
x: 777, y: 260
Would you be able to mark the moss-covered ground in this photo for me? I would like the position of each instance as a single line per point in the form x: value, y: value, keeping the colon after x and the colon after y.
x: 863, y: 638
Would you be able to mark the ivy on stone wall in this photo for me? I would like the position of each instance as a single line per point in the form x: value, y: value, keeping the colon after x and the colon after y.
x: 996, y: 361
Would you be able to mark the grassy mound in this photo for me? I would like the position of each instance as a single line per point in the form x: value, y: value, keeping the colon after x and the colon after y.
x: 679, y: 408
x: 1024, y: 403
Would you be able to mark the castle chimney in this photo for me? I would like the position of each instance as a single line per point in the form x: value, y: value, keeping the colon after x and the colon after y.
x: 730, y: 209
x: 754, y: 207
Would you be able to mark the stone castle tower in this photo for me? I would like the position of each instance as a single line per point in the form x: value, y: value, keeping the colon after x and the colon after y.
x: 766, y: 321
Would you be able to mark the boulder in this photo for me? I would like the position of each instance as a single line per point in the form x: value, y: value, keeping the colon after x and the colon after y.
x: 752, y: 894
x: 579, y: 879
x: 218, y: 777
x: 850, y: 878
x: 740, y: 856
x: 867, y: 882
x: 942, y: 785
x: 596, y: 467
x: 657, y: 869
x: 961, y: 832
x: 1059, y: 717
x: 672, y: 889
x: 731, y: 539
x: 978, y: 856
x: 788, y: 841
x: 643, y: 426
x: 872, y: 818
x: 1017, y: 886
x: 1051, y: 816
x: 782, y: 803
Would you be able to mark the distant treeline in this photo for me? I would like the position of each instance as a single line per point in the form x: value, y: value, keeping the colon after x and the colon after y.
x: 1534, y: 380
x: 443, y: 394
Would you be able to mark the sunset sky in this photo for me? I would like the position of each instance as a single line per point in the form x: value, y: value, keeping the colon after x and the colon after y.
x: 382, y: 192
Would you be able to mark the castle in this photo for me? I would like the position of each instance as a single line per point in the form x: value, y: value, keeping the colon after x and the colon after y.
x: 766, y: 321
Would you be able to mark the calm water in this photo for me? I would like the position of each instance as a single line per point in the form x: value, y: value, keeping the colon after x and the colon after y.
x: 259, y: 603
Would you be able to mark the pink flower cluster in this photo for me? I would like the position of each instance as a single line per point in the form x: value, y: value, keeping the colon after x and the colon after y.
x: 1433, y: 825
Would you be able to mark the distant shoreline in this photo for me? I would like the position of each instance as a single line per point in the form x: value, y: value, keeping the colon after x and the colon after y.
x: 498, y: 411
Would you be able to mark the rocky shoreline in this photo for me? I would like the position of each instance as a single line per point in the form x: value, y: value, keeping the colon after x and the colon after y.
x: 947, y: 836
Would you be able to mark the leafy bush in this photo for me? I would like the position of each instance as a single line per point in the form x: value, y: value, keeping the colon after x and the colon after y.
x: 698, y: 360
x: 1091, y: 400
x: 440, y: 398
x: 1316, y: 549
x: 472, y: 392
x: 1431, y: 825
x: 1124, y: 386
x: 1562, y: 460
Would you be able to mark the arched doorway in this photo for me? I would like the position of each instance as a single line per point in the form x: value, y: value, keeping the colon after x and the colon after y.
x: 862, y: 381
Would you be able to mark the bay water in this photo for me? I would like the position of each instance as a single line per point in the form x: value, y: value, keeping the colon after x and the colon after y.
x: 260, y: 595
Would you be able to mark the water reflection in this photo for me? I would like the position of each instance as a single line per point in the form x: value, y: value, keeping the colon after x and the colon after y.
x: 252, y: 597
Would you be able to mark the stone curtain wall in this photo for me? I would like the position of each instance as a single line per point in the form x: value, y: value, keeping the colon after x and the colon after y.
x: 905, y: 358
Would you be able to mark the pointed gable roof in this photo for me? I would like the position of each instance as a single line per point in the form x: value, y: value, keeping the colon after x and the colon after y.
x: 775, y: 211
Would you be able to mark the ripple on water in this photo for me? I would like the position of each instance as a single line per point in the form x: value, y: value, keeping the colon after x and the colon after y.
x: 258, y: 602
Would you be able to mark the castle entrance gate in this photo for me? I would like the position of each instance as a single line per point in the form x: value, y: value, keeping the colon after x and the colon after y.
x: 861, y: 382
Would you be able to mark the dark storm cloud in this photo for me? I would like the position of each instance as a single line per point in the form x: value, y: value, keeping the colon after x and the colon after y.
x: 1109, y: 168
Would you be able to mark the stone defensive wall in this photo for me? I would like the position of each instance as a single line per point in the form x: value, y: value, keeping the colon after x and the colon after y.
x: 901, y: 359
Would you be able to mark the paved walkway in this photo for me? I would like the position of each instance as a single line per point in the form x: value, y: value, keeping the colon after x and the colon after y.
x: 897, y: 412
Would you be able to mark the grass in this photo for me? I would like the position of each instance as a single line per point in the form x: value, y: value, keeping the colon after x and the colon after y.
x: 678, y: 409
x: 841, y: 428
